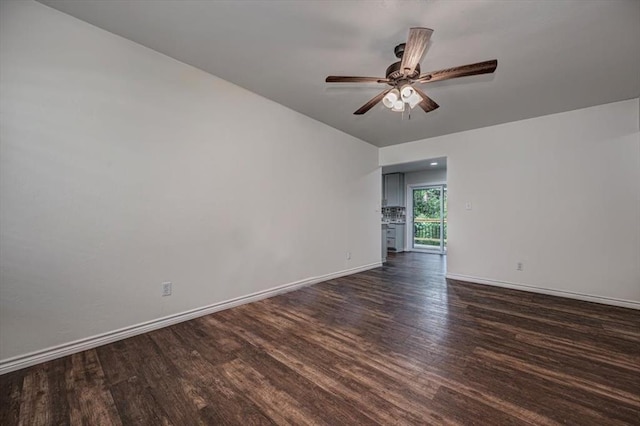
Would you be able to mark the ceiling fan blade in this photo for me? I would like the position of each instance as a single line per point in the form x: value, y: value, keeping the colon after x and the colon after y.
x: 427, y: 103
x: 485, y: 67
x: 350, y: 79
x: 366, y: 107
x: 414, y: 49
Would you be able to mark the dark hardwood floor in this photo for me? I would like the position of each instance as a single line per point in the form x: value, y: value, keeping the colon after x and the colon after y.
x: 394, y: 345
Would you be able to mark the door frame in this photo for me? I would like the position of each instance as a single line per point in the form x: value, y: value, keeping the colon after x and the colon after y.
x: 408, y: 241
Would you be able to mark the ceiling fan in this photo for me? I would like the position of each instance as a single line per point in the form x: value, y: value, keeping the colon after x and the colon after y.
x: 403, y: 75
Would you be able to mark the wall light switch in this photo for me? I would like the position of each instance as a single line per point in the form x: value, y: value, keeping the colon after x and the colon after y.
x: 467, y: 205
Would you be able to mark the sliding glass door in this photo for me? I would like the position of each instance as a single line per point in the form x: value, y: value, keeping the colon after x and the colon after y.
x: 429, y: 217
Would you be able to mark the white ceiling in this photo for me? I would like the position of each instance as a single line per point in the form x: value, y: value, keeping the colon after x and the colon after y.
x: 552, y: 56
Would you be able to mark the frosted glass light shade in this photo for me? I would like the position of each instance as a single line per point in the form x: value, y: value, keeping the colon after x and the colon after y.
x: 398, y: 106
x: 406, y: 92
x: 391, y: 98
x: 414, y: 100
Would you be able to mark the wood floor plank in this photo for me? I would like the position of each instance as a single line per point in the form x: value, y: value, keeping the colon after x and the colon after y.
x: 35, y: 398
x: 279, y: 405
x: 560, y: 402
x: 215, y: 398
x: 393, y: 345
x: 119, y: 359
x: 136, y: 404
x: 57, y: 389
x: 11, y: 396
x: 317, y: 365
x: 315, y: 399
x: 90, y: 401
x: 164, y: 381
x: 462, y: 408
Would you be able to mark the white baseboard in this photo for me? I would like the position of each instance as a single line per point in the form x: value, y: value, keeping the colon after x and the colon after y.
x: 569, y: 294
x: 59, y: 351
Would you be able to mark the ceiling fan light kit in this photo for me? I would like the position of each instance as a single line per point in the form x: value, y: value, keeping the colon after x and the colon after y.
x: 414, y: 100
x: 406, y: 92
x: 398, y: 106
x: 403, y: 75
x: 391, y: 98
x: 396, y: 99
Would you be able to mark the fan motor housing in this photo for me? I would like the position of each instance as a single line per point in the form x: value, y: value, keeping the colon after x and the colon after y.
x: 394, y: 72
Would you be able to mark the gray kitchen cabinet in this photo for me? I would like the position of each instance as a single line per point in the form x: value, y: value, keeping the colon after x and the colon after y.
x: 395, y: 237
x: 384, y: 243
x: 393, y: 190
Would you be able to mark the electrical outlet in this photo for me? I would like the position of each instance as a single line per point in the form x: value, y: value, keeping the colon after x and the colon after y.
x: 519, y: 266
x: 348, y: 255
x: 166, y: 289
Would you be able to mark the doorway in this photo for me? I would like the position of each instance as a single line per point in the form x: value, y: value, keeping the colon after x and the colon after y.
x: 428, y: 218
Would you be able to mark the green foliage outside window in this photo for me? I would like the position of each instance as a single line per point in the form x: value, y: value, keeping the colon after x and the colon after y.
x: 426, y: 212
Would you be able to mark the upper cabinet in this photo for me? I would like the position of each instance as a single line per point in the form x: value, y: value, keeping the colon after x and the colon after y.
x: 393, y: 190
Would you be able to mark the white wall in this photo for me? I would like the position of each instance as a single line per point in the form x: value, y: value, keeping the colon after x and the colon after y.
x: 122, y: 168
x: 560, y: 193
x: 427, y: 177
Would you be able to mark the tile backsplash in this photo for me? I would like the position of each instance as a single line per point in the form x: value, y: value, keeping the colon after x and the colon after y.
x: 394, y: 214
